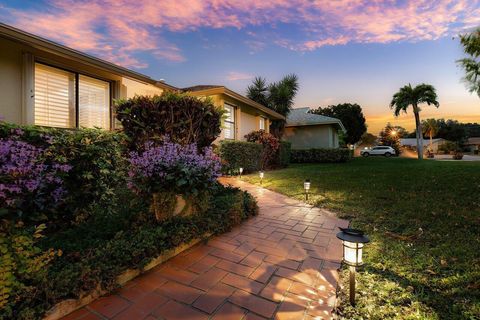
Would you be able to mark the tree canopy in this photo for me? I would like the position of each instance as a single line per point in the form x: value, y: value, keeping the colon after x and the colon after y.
x: 351, y: 116
x: 471, y: 63
x: 277, y: 96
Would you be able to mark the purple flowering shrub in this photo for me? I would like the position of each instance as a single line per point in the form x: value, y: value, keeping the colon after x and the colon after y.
x: 172, y: 167
x: 28, y: 182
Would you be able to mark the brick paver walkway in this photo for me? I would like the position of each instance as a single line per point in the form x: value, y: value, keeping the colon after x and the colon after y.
x: 281, y: 264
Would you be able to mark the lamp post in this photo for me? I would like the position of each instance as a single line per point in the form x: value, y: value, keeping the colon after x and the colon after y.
x: 241, y: 171
x: 306, y: 186
x: 261, y: 174
x: 353, y: 241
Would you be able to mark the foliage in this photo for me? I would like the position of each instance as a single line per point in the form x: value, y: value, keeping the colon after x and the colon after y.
x: 236, y: 154
x: 389, y: 137
x: 351, y: 116
x: 172, y: 167
x: 448, y: 147
x: 277, y: 96
x: 284, y: 154
x: 23, y: 266
x: 94, y: 156
x: 471, y: 64
x: 29, y: 183
x: 422, y: 261
x: 133, y: 244
x: 409, y: 96
x: 183, y: 118
x: 368, y: 139
x: 270, y: 147
x: 325, y: 155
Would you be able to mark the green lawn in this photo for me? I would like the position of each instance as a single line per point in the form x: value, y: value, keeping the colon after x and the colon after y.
x: 424, y: 222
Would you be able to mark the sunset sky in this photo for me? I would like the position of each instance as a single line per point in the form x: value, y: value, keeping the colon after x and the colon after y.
x: 342, y: 51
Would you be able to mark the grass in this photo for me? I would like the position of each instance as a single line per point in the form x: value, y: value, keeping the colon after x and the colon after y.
x: 424, y: 222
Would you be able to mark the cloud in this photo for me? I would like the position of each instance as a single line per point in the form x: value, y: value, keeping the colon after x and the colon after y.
x: 235, y: 76
x: 122, y: 30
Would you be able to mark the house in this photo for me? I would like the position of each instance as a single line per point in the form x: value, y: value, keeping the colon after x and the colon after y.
x: 48, y: 84
x: 411, y: 143
x: 242, y: 114
x: 305, y: 130
x: 473, y: 144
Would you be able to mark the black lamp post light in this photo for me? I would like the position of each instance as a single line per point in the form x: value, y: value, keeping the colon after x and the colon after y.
x: 306, y: 187
x: 353, y: 242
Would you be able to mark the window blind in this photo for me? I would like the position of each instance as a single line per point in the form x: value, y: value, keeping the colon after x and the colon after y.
x: 94, y: 103
x: 229, y: 124
x: 54, y: 97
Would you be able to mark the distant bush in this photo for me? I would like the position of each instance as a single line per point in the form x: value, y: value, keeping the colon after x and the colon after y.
x: 320, y: 155
x: 447, y: 147
x: 236, y: 154
x: 183, y: 118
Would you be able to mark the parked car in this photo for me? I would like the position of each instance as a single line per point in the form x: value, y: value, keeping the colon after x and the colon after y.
x: 378, y: 151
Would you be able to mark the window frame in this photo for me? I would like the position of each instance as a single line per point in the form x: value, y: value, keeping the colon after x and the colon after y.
x: 233, y: 115
x: 263, y: 121
x: 77, y: 89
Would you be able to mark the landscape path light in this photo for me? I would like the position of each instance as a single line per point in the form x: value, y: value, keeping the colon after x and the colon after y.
x: 306, y: 186
x: 261, y: 174
x: 353, y: 242
x: 241, y: 171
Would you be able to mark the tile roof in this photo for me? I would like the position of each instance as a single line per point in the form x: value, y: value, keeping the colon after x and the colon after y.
x: 301, y: 117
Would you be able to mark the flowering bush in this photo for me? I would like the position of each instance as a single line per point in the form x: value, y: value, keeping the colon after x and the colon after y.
x: 29, y: 183
x: 172, y: 167
x: 270, y: 146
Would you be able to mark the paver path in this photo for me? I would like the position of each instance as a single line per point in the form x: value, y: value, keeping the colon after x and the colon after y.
x: 281, y: 264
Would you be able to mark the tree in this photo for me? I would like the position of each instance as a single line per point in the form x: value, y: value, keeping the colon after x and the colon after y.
x: 430, y: 128
x: 389, y: 137
x: 471, y: 64
x: 408, y: 96
x: 351, y: 116
x: 277, y: 96
x: 451, y: 130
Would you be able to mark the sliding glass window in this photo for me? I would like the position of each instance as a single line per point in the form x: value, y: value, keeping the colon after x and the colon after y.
x: 56, y: 103
x: 229, y: 123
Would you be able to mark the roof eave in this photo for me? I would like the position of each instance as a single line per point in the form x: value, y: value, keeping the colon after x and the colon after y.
x: 59, y: 49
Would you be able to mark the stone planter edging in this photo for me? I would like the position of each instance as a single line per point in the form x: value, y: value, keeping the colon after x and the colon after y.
x: 66, y: 307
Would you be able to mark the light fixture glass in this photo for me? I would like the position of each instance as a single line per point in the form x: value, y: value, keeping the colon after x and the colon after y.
x: 306, y: 185
x: 352, y: 253
x: 240, y: 170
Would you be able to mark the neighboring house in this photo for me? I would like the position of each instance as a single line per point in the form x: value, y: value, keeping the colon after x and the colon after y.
x: 242, y: 114
x: 306, y: 130
x: 411, y: 143
x: 48, y: 84
x: 473, y: 144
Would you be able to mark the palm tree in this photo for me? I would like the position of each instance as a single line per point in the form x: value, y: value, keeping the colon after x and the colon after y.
x: 277, y: 96
x: 430, y: 127
x: 408, y: 96
x: 471, y: 65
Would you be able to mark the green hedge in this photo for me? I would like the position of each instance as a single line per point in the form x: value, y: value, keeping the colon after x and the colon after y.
x: 320, y: 155
x: 236, y: 154
x: 284, y: 154
x: 133, y: 245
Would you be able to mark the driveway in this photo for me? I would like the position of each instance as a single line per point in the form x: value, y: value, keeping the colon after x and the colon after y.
x: 281, y: 264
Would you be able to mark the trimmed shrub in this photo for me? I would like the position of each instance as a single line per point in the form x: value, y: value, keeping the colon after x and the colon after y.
x: 183, y: 118
x: 270, y: 147
x: 320, y: 155
x: 284, y: 154
x: 236, y: 154
x: 95, y: 163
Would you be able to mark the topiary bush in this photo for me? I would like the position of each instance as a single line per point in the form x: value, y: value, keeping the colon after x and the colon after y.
x: 236, y: 154
x: 320, y: 155
x: 183, y: 118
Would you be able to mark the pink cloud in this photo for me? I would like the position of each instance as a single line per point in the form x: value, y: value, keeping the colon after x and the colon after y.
x: 235, y: 76
x: 119, y: 29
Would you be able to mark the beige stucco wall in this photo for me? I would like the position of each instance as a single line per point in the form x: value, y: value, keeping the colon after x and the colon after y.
x: 10, y: 81
x: 130, y: 88
x: 249, y: 123
x: 306, y: 137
